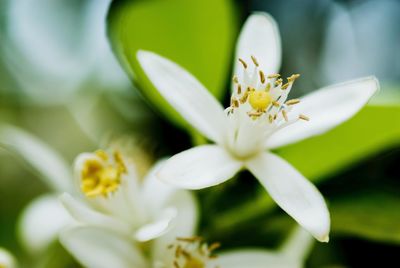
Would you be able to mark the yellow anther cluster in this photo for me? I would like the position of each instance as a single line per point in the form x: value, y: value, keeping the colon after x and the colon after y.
x: 100, y: 176
x: 259, y: 100
x: 192, y: 252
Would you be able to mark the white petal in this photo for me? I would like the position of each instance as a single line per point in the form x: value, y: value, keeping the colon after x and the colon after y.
x: 41, y: 221
x: 6, y: 259
x: 156, y: 192
x: 326, y: 108
x: 157, y: 228
x: 260, y: 38
x: 51, y: 167
x: 186, y: 94
x: 85, y: 215
x: 253, y: 259
x: 199, y: 167
x: 293, y: 193
x: 100, y: 248
x: 184, y: 224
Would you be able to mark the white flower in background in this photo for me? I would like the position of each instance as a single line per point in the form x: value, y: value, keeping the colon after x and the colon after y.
x: 56, y: 47
x: 6, y: 259
x: 350, y: 47
x: 36, y: 230
x: 259, y: 119
x: 113, y: 197
x: 96, y: 247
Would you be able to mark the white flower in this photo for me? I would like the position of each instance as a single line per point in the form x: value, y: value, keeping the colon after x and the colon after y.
x: 6, y: 259
x: 36, y: 230
x: 98, y: 247
x: 260, y: 118
x: 66, y: 50
x: 113, y: 197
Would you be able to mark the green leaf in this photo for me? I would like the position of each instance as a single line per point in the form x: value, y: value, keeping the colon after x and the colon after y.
x: 374, y: 215
x: 373, y: 129
x: 198, y: 35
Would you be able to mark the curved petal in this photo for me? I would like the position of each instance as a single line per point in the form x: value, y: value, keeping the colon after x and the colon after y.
x: 156, y: 192
x: 293, y: 193
x: 100, y: 248
x: 186, y: 94
x: 36, y: 229
x: 253, y: 259
x: 157, y: 228
x: 86, y: 215
x: 184, y: 224
x: 6, y: 259
x: 199, y: 167
x: 52, y: 168
x: 326, y: 108
x: 259, y: 38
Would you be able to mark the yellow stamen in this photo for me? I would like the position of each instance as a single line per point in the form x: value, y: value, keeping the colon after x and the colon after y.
x: 243, y: 63
x: 276, y: 104
x: 99, y: 176
x: 259, y: 100
x: 285, y: 115
x: 292, y: 102
x: 273, y: 76
x: 254, y: 61
x: 262, y: 76
x: 235, y: 79
x: 303, y: 117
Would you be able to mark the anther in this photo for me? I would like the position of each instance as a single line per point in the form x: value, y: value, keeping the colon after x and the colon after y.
x: 303, y: 117
x: 273, y: 76
x: 276, y: 104
x: 293, y: 77
x: 239, y: 89
x: 262, y: 77
x: 214, y: 246
x: 285, y: 115
x: 235, y: 79
x: 292, y: 102
x: 254, y: 61
x: 279, y: 82
x: 234, y: 103
x: 285, y: 86
x: 243, y: 99
x: 243, y: 63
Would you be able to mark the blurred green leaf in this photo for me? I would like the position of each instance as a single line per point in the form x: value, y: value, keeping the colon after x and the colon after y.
x: 197, y: 34
x: 374, y: 215
x: 372, y: 130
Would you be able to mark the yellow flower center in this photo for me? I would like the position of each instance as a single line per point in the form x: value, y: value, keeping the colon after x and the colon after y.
x: 259, y: 100
x: 100, y: 176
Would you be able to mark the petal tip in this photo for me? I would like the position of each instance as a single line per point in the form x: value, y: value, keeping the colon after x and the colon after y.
x: 263, y: 16
x: 324, y: 239
x: 377, y: 84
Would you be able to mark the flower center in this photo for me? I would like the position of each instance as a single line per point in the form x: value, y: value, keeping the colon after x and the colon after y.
x: 101, y: 175
x: 263, y: 97
x: 259, y: 100
x: 192, y: 252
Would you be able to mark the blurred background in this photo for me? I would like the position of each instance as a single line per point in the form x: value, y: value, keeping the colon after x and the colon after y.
x: 69, y: 83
